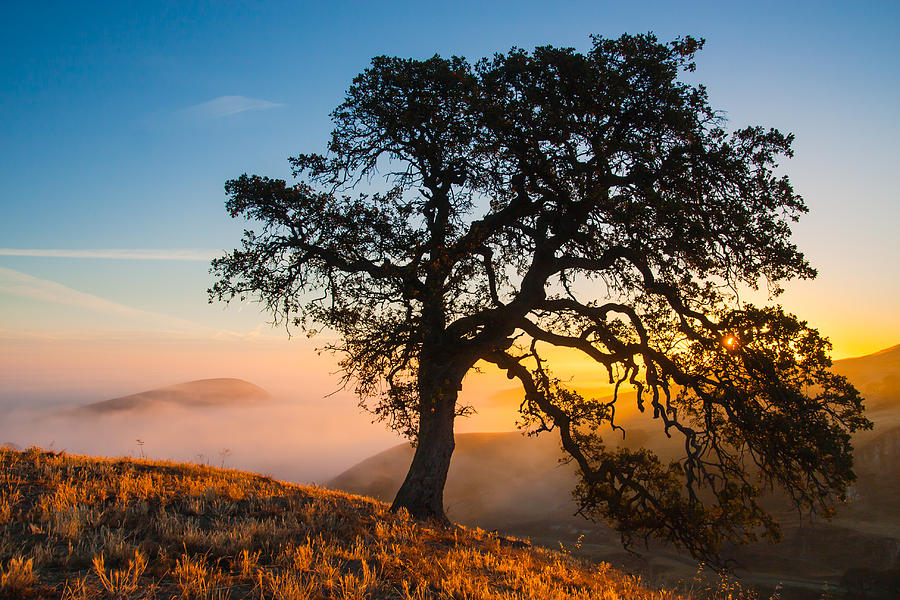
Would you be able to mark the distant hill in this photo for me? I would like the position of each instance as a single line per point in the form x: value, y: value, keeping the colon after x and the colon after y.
x: 200, y: 393
x: 85, y: 528
x: 516, y: 484
x: 877, y: 377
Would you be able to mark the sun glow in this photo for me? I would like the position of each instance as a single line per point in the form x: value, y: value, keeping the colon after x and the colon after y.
x: 730, y: 342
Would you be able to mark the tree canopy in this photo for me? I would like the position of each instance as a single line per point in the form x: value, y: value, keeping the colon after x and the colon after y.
x: 589, y: 200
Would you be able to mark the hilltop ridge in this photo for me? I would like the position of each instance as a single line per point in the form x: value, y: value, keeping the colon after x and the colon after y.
x: 80, y: 528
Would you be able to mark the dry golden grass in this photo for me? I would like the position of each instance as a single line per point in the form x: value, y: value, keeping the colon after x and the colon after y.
x: 84, y: 528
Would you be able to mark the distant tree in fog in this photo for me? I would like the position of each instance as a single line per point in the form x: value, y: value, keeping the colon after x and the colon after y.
x: 591, y: 201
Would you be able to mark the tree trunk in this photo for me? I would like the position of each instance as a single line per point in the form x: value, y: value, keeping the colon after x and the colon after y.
x: 422, y: 492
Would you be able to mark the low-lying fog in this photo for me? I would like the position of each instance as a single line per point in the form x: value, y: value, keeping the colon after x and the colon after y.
x: 309, y: 439
x: 303, y: 441
x: 305, y: 433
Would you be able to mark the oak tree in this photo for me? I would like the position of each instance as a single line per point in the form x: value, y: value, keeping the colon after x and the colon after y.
x: 555, y: 198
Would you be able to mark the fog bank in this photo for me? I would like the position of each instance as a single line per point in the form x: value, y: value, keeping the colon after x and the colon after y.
x: 300, y: 441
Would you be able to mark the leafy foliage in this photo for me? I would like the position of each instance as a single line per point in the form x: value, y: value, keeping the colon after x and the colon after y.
x: 556, y: 198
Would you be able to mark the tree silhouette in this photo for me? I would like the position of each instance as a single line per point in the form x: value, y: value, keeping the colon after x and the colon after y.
x: 592, y: 201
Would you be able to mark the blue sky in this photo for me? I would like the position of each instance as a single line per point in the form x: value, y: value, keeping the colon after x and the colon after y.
x: 120, y: 122
x: 102, y: 148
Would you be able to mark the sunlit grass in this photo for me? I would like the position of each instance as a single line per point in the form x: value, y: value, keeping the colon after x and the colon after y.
x: 83, y: 528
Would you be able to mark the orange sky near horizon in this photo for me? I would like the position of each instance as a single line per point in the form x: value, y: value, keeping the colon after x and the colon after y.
x: 79, y: 368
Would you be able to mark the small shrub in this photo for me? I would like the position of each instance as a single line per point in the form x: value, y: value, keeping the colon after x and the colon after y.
x: 357, y: 586
x: 120, y: 583
x: 287, y: 585
x: 18, y: 579
x: 247, y: 564
x: 7, y: 501
x: 196, y: 580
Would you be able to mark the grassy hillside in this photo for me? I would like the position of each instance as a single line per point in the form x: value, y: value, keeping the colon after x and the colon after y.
x: 76, y: 527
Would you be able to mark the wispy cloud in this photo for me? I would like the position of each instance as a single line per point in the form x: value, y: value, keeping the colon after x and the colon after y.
x: 257, y: 336
x: 226, y: 106
x: 118, y: 254
x: 22, y: 285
